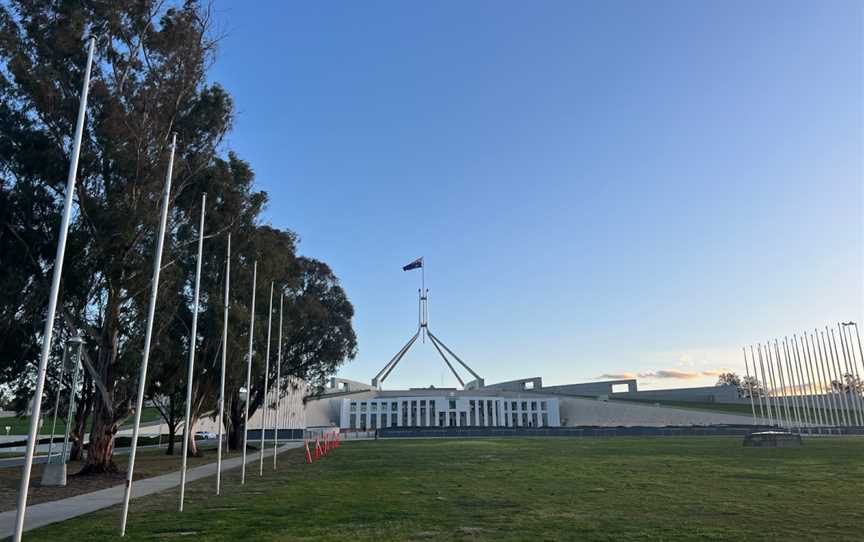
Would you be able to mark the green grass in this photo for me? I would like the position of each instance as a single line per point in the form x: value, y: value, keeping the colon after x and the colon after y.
x: 519, y: 489
x: 20, y: 425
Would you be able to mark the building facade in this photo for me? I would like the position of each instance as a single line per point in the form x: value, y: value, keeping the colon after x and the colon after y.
x: 442, y: 408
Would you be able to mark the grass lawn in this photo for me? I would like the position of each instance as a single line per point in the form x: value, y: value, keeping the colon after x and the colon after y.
x: 519, y: 489
x: 20, y: 425
x: 149, y: 462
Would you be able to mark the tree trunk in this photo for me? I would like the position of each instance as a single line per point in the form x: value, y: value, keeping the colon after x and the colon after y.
x: 172, y: 432
x: 100, y: 453
x: 193, y: 446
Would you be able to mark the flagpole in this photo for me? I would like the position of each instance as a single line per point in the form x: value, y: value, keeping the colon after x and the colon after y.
x: 846, y: 356
x: 249, y: 372
x: 835, y: 360
x: 823, y: 359
x: 266, y: 406
x: 193, y: 341
x: 36, y: 407
x: 222, y: 377
x: 148, y: 336
x: 57, y: 400
x: 765, y: 382
x: 749, y: 385
x: 278, y: 381
x: 758, y: 388
x: 811, y: 371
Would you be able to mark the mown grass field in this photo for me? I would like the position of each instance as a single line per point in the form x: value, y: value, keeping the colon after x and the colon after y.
x: 519, y: 489
x: 21, y: 425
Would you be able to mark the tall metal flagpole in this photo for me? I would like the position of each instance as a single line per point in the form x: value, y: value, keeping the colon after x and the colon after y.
x: 799, y: 383
x: 266, y: 406
x: 249, y: 372
x: 193, y: 341
x: 850, y: 363
x: 758, y: 387
x: 148, y: 335
x: 766, y: 383
x: 791, y: 377
x: 860, y: 354
x: 829, y: 336
x: 222, y: 377
x: 770, y: 362
x: 278, y: 386
x: 823, y: 357
x: 826, y: 347
x: 786, y: 403
x: 36, y: 407
x: 57, y: 400
x: 814, y: 379
x: 749, y: 385
x: 807, y: 396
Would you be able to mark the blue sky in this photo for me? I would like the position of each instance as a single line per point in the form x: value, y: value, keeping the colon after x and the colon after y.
x: 597, y: 187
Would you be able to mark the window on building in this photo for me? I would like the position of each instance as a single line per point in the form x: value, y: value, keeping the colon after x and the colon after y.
x: 524, y: 405
x: 545, y: 420
x: 374, y: 407
x: 534, y: 420
x: 452, y: 404
x: 383, y: 420
x: 533, y: 405
x: 394, y: 406
x: 514, y: 420
x: 542, y: 405
x: 362, y: 407
x: 513, y: 405
x: 353, y: 406
x: 506, y: 406
x: 524, y: 418
x: 373, y: 421
x: 353, y: 422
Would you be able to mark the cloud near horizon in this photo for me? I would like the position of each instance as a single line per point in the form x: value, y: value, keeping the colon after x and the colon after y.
x: 665, y: 374
x: 617, y: 376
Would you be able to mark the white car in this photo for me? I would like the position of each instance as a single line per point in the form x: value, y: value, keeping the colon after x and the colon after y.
x: 206, y: 435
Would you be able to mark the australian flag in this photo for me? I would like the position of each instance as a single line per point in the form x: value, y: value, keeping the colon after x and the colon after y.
x: 413, y: 265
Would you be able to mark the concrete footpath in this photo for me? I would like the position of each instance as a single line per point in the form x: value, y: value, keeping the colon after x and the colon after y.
x: 46, y: 513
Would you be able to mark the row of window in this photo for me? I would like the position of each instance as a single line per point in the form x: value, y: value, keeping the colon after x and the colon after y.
x: 373, y: 406
x: 446, y: 419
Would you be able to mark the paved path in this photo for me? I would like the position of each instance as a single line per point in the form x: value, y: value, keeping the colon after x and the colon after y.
x: 46, y: 513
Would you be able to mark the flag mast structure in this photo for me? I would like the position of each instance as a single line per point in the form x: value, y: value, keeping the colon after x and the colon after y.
x: 423, y: 332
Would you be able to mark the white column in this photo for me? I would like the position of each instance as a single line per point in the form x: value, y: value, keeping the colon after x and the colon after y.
x: 458, y: 414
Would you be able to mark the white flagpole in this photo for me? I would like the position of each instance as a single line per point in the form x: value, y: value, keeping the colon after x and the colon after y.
x: 765, y: 384
x: 266, y: 405
x: 758, y: 388
x: 222, y: 378
x: 847, y: 415
x: 778, y: 412
x: 790, y: 376
x: 36, y: 407
x: 823, y: 359
x: 814, y: 377
x: 815, y: 412
x: 193, y: 340
x: 148, y: 336
x: 749, y: 385
x: 806, y: 398
x: 277, y: 386
x: 57, y: 401
x: 249, y: 372
x: 844, y: 346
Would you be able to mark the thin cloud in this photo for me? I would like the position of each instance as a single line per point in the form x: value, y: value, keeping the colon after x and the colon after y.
x: 617, y: 376
x: 716, y: 372
x: 672, y: 374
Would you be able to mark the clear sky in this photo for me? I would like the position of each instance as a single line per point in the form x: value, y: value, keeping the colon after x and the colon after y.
x: 599, y: 187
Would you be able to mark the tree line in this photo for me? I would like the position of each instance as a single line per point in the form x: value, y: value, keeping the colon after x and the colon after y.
x: 149, y: 81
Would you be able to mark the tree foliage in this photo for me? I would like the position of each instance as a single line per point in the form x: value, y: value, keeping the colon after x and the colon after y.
x: 149, y: 80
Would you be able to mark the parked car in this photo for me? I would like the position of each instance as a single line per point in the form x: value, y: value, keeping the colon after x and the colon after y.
x: 205, y: 435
